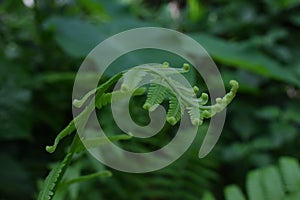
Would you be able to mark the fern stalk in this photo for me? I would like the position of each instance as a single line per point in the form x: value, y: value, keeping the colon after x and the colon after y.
x: 53, y: 179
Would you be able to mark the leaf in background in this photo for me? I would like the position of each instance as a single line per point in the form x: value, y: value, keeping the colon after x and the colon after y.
x: 295, y: 19
x: 93, y: 7
x: 101, y: 174
x: 14, y: 114
x: 248, y: 81
x: 234, y: 193
x: 240, y: 55
x: 292, y: 113
x: 208, y: 196
x: 280, y: 5
x: 253, y: 185
x: 74, y: 36
x: 14, y: 102
x: 16, y: 180
x: 283, y: 132
x: 196, y: 10
x: 290, y: 171
x: 272, y: 184
x: 269, y: 112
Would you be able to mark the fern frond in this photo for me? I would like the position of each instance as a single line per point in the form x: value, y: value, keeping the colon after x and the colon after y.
x: 253, y: 186
x: 175, y: 111
x: 97, y: 141
x: 103, y: 100
x: 208, y: 196
x: 50, y: 182
x: 65, y: 132
x: 101, y: 174
x: 195, y: 115
x: 203, y: 99
x: 132, y: 78
x: 99, y: 90
x: 83, y: 116
x: 163, y: 75
x: 106, y: 98
x: 222, y: 103
x: 81, y: 119
x: 290, y: 171
x: 272, y: 182
x: 164, y: 69
x: 186, y: 94
x: 234, y: 193
x: 156, y: 95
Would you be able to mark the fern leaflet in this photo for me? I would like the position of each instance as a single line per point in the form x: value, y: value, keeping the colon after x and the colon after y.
x: 51, y: 181
x: 272, y: 182
x: 175, y: 111
x: 156, y: 95
x: 100, y: 174
x: 290, y: 173
x: 99, y: 90
x: 131, y: 79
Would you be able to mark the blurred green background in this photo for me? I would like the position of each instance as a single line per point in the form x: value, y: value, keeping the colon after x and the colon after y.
x: 43, y: 43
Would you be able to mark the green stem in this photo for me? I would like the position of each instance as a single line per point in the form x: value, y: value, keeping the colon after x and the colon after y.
x: 68, y: 160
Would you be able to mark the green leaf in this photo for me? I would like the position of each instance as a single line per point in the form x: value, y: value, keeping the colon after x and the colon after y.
x: 234, y: 193
x: 242, y: 56
x: 97, y: 141
x: 195, y: 115
x: 269, y: 112
x: 15, y: 99
x: 53, y: 77
x: 254, y: 186
x: 132, y: 78
x: 94, y: 7
x: 175, y: 111
x: 51, y: 181
x: 74, y: 36
x: 102, y: 174
x: 296, y: 19
x: 294, y: 196
x: 99, y: 91
x: 290, y: 170
x: 272, y: 183
x: 65, y: 132
x: 156, y: 95
x: 196, y: 10
x: 208, y: 196
x: 209, y: 111
x: 81, y: 120
x: 118, y: 95
x: 166, y: 77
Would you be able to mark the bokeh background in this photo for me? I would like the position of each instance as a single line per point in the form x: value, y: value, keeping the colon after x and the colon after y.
x: 43, y: 43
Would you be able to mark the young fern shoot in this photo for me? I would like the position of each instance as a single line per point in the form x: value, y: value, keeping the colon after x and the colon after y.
x: 165, y: 86
x: 166, y: 83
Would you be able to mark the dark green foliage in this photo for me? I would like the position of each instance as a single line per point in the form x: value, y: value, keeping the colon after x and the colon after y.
x: 272, y: 182
x: 253, y: 42
x: 187, y: 178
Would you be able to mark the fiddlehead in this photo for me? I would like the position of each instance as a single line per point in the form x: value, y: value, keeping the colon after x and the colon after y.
x: 165, y: 84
